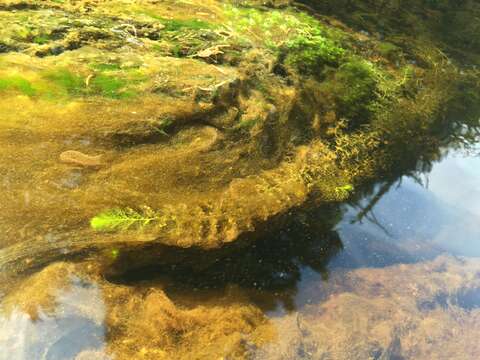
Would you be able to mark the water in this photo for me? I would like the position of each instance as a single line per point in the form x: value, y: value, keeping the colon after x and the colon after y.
x: 420, y: 220
x: 401, y: 280
x: 160, y: 168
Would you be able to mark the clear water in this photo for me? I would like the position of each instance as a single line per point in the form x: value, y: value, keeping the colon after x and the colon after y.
x: 395, y: 274
x: 399, y: 281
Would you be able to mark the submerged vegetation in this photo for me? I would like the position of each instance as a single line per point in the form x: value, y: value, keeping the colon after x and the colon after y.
x: 61, y: 83
x: 17, y: 83
x: 233, y: 121
x: 227, y: 114
x: 124, y: 219
x: 306, y: 100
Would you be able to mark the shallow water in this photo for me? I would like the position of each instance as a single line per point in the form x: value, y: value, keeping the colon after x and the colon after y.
x: 173, y: 172
x: 399, y: 281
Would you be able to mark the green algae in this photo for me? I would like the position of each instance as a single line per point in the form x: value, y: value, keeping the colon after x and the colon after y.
x: 66, y: 81
x: 389, y: 50
x: 175, y: 25
x: 102, y: 67
x: 189, y: 24
x: 247, y: 124
x: 298, y: 40
x: 109, y: 87
x: 41, y: 39
x: 302, y: 143
x: 107, y: 82
x: 315, y: 109
x: 63, y: 82
x: 17, y: 83
x: 356, y: 90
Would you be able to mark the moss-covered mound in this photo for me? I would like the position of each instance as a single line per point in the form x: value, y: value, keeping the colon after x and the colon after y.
x: 127, y: 125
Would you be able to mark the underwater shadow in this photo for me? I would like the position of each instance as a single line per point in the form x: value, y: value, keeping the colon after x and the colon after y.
x: 268, y: 268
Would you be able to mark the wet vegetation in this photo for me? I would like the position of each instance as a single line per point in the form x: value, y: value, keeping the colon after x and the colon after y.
x: 226, y: 130
x: 315, y: 111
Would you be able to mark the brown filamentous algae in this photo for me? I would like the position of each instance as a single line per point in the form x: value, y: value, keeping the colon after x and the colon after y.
x: 78, y: 158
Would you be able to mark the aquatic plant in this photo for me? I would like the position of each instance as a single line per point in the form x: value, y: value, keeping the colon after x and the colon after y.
x: 389, y: 50
x: 178, y: 24
x: 190, y: 24
x: 108, y: 86
x: 104, y: 83
x: 355, y: 89
x: 41, y: 39
x: 274, y: 28
x: 344, y: 190
x: 163, y: 125
x: 309, y: 52
x: 114, y: 253
x: 17, y: 83
x: 127, y: 218
x: 66, y: 81
x: 105, y: 66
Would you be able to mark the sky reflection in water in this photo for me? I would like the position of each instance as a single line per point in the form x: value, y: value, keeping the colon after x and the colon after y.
x: 411, y: 223
x: 73, y: 323
x: 423, y: 220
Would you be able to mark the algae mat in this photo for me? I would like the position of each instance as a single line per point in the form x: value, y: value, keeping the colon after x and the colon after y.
x: 126, y: 124
x: 177, y: 133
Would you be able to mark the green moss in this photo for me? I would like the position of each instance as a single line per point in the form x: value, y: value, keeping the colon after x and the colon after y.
x: 299, y: 39
x: 108, y: 86
x: 17, y: 83
x: 310, y: 52
x: 355, y: 90
x: 66, y: 81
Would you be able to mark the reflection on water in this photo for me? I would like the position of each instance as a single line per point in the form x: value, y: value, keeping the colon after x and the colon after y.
x: 329, y: 285
x: 268, y: 270
x: 397, y: 312
x: 60, y: 324
x: 424, y: 220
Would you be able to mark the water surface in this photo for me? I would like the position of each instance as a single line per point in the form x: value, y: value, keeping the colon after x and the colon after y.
x: 395, y: 275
